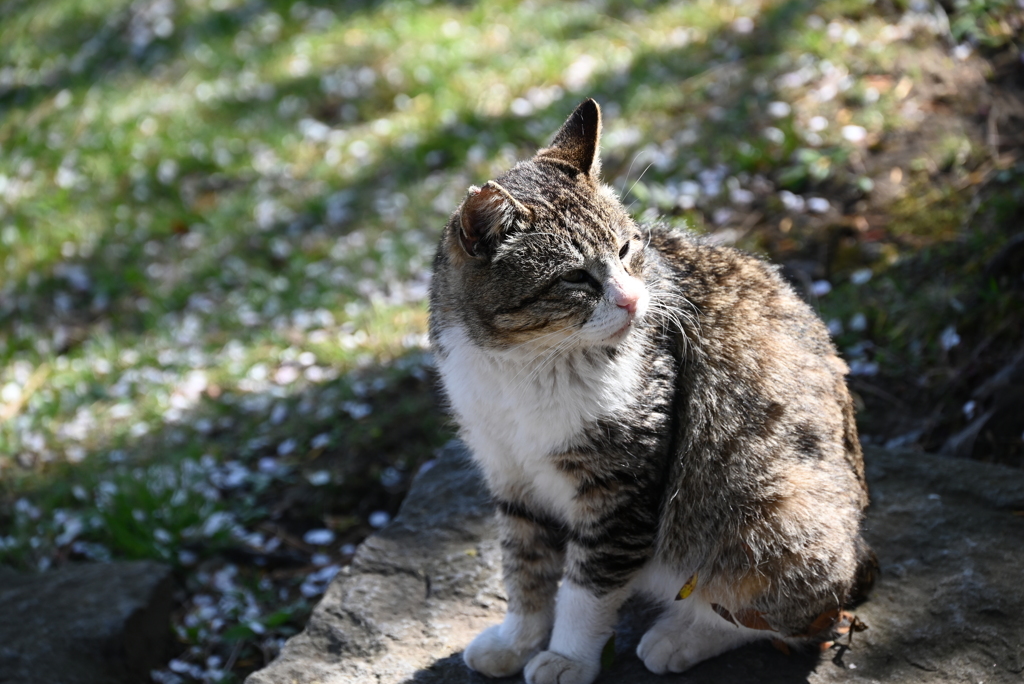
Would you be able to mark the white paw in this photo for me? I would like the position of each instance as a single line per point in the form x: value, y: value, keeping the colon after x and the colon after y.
x: 663, y: 650
x: 494, y: 655
x: 549, y: 667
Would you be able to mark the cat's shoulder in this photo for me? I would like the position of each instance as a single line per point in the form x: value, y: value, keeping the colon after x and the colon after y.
x: 699, y: 260
x: 739, y: 296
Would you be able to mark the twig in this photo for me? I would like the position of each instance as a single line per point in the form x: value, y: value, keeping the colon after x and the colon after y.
x: 863, y: 386
x: 235, y: 652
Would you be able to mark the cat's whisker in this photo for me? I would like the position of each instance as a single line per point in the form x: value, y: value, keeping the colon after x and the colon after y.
x: 532, y: 366
x: 543, y: 348
x: 668, y: 315
x: 672, y: 321
x: 641, y: 176
x: 693, y: 316
x: 628, y: 171
x: 534, y: 340
x: 551, y: 356
x: 531, y: 370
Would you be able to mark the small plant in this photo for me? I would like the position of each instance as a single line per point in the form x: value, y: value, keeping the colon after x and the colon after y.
x: 988, y: 23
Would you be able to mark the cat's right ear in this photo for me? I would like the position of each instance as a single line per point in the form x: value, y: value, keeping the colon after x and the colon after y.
x: 488, y: 214
x: 576, y: 143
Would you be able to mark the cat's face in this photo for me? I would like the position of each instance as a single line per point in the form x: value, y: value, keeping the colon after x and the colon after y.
x: 546, y: 256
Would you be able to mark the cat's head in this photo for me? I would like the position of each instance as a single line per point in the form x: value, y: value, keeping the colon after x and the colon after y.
x: 546, y: 254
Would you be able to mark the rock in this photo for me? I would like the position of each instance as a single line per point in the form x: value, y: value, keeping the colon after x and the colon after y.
x: 99, y: 623
x: 949, y: 535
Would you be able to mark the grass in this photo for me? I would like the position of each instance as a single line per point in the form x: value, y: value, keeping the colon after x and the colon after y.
x: 217, y: 219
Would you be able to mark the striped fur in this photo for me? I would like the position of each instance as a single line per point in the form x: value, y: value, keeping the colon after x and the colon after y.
x: 644, y: 407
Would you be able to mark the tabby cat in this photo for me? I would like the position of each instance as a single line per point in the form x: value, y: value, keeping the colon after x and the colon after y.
x: 651, y: 413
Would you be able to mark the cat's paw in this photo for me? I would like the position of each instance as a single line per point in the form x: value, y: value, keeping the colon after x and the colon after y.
x: 493, y: 654
x: 664, y: 650
x: 549, y: 667
x: 667, y: 648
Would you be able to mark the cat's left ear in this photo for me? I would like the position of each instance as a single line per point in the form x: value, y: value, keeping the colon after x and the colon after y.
x: 577, y: 141
x: 486, y: 216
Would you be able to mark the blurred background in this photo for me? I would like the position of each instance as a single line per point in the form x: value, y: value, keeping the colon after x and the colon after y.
x: 217, y: 220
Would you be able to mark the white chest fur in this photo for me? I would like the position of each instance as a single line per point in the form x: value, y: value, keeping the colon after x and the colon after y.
x: 516, y: 410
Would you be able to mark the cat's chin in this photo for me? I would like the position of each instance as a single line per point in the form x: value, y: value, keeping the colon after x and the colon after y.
x: 619, y: 336
x: 625, y: 330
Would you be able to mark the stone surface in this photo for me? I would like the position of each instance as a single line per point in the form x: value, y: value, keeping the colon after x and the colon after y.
x: 949, y: 534
x: 100, y: 623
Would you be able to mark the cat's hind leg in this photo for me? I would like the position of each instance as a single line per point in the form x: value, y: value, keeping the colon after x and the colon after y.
x: 688, y: 632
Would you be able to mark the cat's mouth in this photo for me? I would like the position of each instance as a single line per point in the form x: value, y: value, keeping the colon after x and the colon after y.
x: 633, y: 320
x: 621, y: 333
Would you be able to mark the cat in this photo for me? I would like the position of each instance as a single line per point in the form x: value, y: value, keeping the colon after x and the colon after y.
x: 652, y: 414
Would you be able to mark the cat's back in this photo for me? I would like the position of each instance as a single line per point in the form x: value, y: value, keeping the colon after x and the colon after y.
x: 759, y: 366
x: 738, y: 297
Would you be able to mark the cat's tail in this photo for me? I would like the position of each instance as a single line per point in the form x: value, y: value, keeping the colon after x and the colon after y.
x: 867, y: 572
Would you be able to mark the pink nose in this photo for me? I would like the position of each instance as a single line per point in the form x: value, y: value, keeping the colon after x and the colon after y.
x: 626, y: 295
x: 628, y: 302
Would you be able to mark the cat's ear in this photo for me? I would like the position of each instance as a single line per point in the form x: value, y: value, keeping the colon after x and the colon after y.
x: 576, y: 142
x: 487, y: 214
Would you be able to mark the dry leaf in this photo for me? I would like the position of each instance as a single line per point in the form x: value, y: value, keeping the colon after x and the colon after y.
x: 754, y: 619
x: 833, y: 623
x: 880, y: 82
x: 688, y: 588
x: 903, y: 88
x: 823, y: 621
x: 724, y: 612
x: 748, y: 617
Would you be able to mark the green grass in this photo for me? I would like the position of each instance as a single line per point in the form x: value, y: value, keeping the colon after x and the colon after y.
x: 217, y: 219
x: 991, y: 23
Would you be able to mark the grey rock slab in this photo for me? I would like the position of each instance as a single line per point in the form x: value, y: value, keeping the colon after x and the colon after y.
x: 96, y: 623
x: 947, y: 607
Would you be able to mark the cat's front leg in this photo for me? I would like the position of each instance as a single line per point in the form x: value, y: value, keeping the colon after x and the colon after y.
x: 503, y: 650
x: 583, y: 625
x: 602, y: 563
x: 533, y: 556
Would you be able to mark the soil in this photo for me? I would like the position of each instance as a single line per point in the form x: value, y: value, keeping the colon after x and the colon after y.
x: 931, y: 409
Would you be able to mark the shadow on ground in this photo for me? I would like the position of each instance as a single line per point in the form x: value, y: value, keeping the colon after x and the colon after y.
x: 943, y: 610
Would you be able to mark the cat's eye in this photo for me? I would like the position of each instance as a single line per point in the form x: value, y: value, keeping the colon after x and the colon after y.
x: 576, y: 276
x: 624, y: 251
